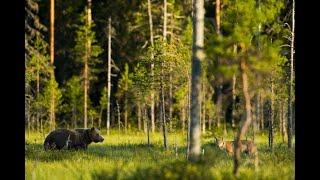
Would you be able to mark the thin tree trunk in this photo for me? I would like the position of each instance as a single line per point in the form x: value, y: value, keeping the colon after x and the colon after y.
x: 219, y: 104
x: 100, y: 117
x: 246, y: 124
x: 170, y: 100
x: 198, y: 55
x: 183, y: 119
x: 52, y: 108
x: 290, y: 108
x: 139, y: 116
x: 38, y: 92
x: 284, y: 125
x: 126, y: 110
x: 258, y: 111
x: 262, y: 112
x: 109, y: 76
x: 271, y: 120
x: 281, y: 120
x: 218, y: 16
x: 86, y: 80
x: 164, y: 126
x: 152, y: 66
x: 203, y: 116
x: 148, y: 126
x: 119, y: 122
x: 209, y: 121
x: 233, y: 100
x: 189, y: 115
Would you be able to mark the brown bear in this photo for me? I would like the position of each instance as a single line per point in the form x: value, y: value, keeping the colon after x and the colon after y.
x: 72, y: 139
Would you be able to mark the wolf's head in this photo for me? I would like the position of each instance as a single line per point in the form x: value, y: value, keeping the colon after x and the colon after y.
x: 220, y: 142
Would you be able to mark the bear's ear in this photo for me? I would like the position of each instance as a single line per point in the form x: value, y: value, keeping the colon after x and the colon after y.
x: 92, y: 129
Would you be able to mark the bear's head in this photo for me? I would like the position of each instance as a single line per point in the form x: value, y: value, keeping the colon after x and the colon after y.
x: 94, y: 135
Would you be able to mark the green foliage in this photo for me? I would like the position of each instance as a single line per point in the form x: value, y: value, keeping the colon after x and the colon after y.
x: 85, y: 34
x: 43, y: 101
x: 104, y: 99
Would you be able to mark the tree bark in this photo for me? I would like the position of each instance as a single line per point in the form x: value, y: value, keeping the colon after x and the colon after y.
x: 290, y: 119
x: 246, y: 124
x: 262, y: 112
x: 271, y: 120
x: 218, y: 6
x: 152, y: 67
x: 52, y: 108
x: 198, y: 55
x: 109, y: 76
x: 233, y: 99
x: 148, y: 126
x: 86, y: 79
x: 139, y: 116
x: 119, y: 122
x: 203, y: 107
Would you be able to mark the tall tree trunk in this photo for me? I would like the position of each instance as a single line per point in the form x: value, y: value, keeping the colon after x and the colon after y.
x: 284, y: 120
x: 144, y: 119
x: 246, y: 124
x: 262, y: 112
x: 38, y: 92
x: 258, y: 111
x: 198, y: 55
x: 218, y: 6
x: 203, y: 116
x: 281, y: 120
x: 118, y: 110
x: 148, y: 125
x: 109, y: 76
x: 100, y: 117
x: 52, y: 114
x: 233, y: 99
x: 139, y: 116
x: 271, y: 120
x: 86, y: 79
x: 170, y: 99
x: 209, y: 121
x: 189, y: 114
x: 219, y: 105
x: 164, y: 126
x: 152, y: 67
x: 183, y: 119
x: 126, y: 109
x: 290, y: 104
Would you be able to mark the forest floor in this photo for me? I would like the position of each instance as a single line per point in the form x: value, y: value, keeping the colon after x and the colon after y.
x: 127, y: 156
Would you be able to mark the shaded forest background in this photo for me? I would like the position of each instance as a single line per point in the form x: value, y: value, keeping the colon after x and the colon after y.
x: 261, y: 27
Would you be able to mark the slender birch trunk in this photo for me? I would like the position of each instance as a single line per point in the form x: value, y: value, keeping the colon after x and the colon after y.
x: 198, y: 55
x: 152, y: 67
x: 109, y: 75
x: 290, y: 108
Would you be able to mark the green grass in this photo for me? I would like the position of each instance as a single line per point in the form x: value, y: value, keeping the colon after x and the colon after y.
x: 127, y: 156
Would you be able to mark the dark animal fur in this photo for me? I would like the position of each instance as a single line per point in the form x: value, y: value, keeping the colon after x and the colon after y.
x: 72, y: 139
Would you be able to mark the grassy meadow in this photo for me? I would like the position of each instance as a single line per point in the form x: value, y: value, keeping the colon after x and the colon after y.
x: 127, y: 156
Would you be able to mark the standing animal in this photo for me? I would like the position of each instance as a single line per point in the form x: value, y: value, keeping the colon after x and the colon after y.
x: 72, y: 139
x: 247, y: 146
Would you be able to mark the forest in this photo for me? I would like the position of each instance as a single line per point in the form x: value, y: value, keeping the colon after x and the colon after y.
x: 176, y: 87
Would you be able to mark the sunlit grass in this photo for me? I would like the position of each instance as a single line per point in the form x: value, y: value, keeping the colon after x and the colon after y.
x: 127, y: 156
